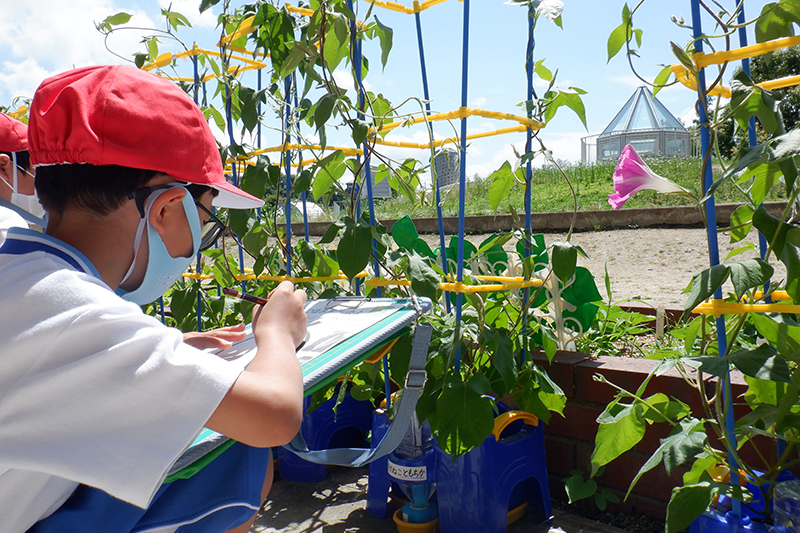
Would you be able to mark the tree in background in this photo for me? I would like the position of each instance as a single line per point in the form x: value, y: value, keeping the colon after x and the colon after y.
x: 763, y: 68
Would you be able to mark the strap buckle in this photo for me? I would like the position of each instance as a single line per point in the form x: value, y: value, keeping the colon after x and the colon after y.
x: 415, y: 380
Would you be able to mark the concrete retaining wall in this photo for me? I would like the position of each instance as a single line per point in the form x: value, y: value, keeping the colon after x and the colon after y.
x: 584, y: 220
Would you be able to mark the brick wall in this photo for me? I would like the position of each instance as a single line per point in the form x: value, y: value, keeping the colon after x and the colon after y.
x: 570, y: 440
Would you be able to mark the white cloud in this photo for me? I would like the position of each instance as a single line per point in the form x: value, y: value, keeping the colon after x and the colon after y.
x: 687, y: 116
x: 45, y: 37
x: 479, y: 102
x: 630, y: 81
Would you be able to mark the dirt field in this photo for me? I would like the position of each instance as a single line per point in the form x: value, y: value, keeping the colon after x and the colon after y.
x: 653, y: 265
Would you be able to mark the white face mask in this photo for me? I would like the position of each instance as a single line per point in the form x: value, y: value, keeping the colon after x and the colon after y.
x: 26, y: 202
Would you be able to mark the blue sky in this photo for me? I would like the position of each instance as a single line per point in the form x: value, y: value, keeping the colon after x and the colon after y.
x: 42, y: 37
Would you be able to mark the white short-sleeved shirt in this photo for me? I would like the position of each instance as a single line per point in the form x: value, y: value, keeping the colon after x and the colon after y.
x: 92, y: 390
x: 9, y: 219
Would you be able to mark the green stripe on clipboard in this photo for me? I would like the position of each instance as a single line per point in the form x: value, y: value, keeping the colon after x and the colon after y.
x: 347, y: 344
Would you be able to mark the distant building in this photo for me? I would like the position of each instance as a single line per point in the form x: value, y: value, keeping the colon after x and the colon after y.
x: 644, y: 123
x: 381, y: 190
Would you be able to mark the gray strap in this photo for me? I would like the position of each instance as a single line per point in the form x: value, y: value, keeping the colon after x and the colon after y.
x: 404, y: 410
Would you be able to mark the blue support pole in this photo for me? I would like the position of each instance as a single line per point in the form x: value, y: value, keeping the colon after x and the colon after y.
x: 287, y: 166
x: 528, y: 165
x: 438, y: 198
x: 354, y: 46
x: 258, y: 110
x: 304, y: 194
x: 199, y: 303
x: 462, y: 179
x: 713, y: 245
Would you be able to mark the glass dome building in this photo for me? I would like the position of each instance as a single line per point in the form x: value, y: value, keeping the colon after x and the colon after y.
x: 644, y: 123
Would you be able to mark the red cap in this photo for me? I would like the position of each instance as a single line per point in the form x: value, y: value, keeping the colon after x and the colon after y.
x: 120, y: 115
x: 13, y: 134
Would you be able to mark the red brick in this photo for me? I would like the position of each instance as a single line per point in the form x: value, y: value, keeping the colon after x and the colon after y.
x: 579, y: 422
x: 560, y: 456
x: 621, y: 471
x: 561, y: 370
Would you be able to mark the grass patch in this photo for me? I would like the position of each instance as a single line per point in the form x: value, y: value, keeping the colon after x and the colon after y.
x: 551, y: 194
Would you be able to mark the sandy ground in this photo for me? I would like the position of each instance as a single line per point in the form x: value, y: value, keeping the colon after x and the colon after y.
x: 648, y: 264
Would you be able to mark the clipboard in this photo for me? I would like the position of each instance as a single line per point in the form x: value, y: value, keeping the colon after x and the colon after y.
x: 324, y: 356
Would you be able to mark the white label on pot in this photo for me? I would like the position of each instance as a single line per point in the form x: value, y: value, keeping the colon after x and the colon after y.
x: 408, y: 473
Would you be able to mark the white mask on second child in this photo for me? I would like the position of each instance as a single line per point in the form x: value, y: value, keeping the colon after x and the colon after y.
x: 27, y: 202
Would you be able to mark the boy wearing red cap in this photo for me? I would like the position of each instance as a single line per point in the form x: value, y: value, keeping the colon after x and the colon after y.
x: 95, y: 393
x: 18, y: 203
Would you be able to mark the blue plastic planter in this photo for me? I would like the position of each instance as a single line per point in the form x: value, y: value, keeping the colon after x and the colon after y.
x: 476, y: 491
x: 323, y: 429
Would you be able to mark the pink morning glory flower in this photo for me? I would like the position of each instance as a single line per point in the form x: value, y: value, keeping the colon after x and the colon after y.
x: 631, y: 175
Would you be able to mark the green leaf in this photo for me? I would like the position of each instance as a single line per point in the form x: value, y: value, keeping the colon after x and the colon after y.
x: 791, y: 260
x: 183, y: 302
x: 116, y: 20
x: 685, y: 441
x: 578, y: 488
x: 686, y: 504
x: 704, y: 284
x: 574, y: 102
x: 709, y: 364
x: 542, y: 71
x: 692, y: 331
x: 565, y: 260
x: 255, y: 177
x: 502, y: 180
x: 324, y: 109
x: 584, y: 314
x: 335, y: 43
x: 405, y: 233
x: 241, y: 221
x: 249, y: 101
x: 385, y: 35
x: 583, y: 289
x: 331, y: 168
x: 465, y: 418
x: 255, y: 240
x: 422, y: 248
x: 776, y: 232
x: 424, y: 279
x: 748, y: 274
x: 662, y: 78
x: 303, y: 182
x: 762, y: 363
x: 503, y: 359
x: 331, y: 233
x: 617, y: 40
x: 355, y: 247
x: 205, y: 4
x: 774, y: 150
x: 617, y: 433
x: 748, y: 100
x: 741, y: 222
x: 360, y: 129
x: 776, y: 21
x: 785, y: 338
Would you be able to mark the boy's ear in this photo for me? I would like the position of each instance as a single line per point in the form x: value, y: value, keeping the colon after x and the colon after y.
x: 168, y: 209
x: 5, y: 166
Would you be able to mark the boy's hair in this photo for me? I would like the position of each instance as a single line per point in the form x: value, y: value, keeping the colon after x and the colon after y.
x: 97, y: 189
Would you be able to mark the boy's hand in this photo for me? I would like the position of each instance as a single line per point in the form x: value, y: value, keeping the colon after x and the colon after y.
x: 282, y: 315
x: 220, y: 338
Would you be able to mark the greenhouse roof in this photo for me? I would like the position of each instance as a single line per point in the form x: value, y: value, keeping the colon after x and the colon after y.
x: 643, y: 111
